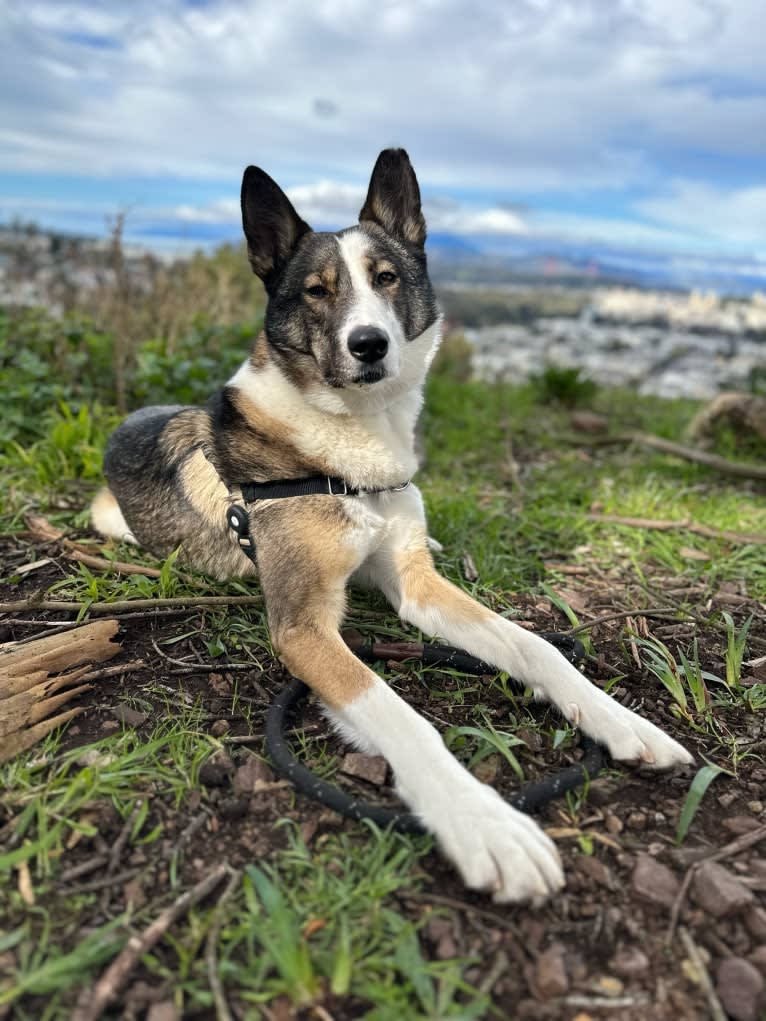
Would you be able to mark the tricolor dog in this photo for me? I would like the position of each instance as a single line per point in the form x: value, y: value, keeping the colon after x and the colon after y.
x: 331, y: 392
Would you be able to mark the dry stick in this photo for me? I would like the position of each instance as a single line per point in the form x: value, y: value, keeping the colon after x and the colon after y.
x: 129, y: 604
x: 114, y: 670
x: 717, y: 1012
x: 667, y: 613
x: 108, y: 987
x: 727, y: 851
x: 721, y: 464
x: 118, y: 847
x: 222, y: 1011
x: 684, y: 525
x: 198, y: 666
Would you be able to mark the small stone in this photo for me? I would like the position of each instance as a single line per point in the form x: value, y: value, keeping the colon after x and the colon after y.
x: 129, y: 716
x: 601, y: 791
x: 758, y: 958
x: 607, y: 985
x: 756, y: 807
x: 246, y: 776
x: 636, y: 821
x: 738, y: 824
x: 372, y: 768
x: 216, y: 770
x: 595, y: 870
x: 613, y: 824
x: 166, y: 1010
x: 233, y: 808
x: 630, y: 962
x: 219, y: 728
x: 588, y: 421
x: 727, y: 800
x: 755, y: 922
x: 654, y: 881
x: 550, y: 978
x: 718, y: 891
x: 740, y: 987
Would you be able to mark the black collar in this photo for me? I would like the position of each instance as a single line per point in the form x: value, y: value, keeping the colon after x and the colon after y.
x: 312, y: 485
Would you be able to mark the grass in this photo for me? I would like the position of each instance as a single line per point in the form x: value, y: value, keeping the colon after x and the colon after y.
x: 504, y: 482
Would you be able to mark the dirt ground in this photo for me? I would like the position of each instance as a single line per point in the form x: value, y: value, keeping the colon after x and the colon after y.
x: 627, y: 939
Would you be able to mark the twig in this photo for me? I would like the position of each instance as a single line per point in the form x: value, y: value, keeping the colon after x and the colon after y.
x: 105, y: 881
x: 112, y: 671
x: 196, y: 665
x: 684, y: 525
x: 466, y: 908
x: 95, y: 1000
x: 127, y: 605
x: 727, y: 851
x: 721, y: 464
x: 90, y: 865
x: 118, y: 847
x: 717, y: 1012
x: 660, y: 613
x: 222, y: 1011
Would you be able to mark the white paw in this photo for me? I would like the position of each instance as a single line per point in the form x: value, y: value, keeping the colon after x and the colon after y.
x: 496, y: 848
x: 629, y: 737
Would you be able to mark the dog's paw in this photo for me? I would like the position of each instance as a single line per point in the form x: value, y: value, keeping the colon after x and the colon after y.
x: 628, y: 737
x: 498, y: 849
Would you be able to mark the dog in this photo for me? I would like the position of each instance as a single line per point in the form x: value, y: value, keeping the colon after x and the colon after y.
x: 331, y: 393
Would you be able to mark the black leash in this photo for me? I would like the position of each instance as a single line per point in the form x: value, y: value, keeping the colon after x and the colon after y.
x: 530, y: 796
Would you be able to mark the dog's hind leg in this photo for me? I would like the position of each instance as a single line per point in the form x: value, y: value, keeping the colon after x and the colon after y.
x: 107, y: 518
x: 303, y: 574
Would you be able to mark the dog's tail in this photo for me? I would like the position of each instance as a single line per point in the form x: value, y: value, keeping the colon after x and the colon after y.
x: 106, y: 517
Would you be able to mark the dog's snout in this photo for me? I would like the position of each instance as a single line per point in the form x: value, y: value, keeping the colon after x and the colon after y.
x: 368, y: 343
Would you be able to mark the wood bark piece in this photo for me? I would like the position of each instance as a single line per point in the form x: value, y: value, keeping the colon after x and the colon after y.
x: 39, y: 677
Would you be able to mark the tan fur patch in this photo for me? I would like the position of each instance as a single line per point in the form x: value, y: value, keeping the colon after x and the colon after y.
x: 185, y: 431
x: 203, y: 487
x: 422, y: 584
x: 259, y: 356
x: 323, y: 661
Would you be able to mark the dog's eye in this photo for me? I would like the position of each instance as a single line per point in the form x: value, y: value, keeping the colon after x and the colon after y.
x: 386, y: 278
x: 317, y: 291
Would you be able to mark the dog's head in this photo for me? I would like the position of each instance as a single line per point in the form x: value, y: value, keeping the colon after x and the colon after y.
x: 352, y: 311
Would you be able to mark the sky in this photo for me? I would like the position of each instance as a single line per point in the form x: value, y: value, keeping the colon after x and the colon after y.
x: 627, y: 122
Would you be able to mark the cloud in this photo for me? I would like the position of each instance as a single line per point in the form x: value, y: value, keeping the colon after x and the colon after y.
x: 708, y: 212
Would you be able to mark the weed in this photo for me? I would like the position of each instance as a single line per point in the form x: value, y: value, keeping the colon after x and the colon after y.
x: 734, y: 654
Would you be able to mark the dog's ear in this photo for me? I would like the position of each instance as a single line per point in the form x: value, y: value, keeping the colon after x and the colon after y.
x: 393, y: 198
x: 271, y: 225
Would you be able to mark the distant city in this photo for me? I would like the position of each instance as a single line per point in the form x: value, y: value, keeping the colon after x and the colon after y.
x: 659, y: 325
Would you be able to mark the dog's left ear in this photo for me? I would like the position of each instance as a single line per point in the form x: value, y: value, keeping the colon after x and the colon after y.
x: 393, y: 199
x: 272, y: 226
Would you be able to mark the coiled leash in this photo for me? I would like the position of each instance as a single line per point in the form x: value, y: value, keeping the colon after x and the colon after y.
x: 530, y: 796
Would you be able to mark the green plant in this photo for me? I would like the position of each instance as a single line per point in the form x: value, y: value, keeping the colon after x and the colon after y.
x: 734, y: 654
x: 560, y: 385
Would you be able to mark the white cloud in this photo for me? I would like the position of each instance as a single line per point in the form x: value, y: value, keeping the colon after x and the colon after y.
x: 708, y: 212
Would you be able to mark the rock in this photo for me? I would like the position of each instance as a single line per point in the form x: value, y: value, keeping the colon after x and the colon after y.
x: 129, y: 716
x: 595, y: 870
x: 219, y: 727
x: 372, y: 768
x: 166, y: 1010
x: 755, y: 922
x: 613, y: 824
x: 216, y: 771
x: 233, y: 808
x: 758, y: 958
x: 629, y: 962
x: 588, y: 422
x: 718, y: 891
x: 738, y: 824
x: 246, y: 776
x: 550, y: 977
x: 607, y: 985
x: 727, y: 799
x: 654, y: 881
x: 636, y: 821
x: 740, y: 987
x: 755, y: 806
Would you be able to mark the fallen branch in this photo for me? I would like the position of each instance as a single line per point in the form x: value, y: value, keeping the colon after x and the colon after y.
x: 717, y: 1013
x: 94, y: 1001
x: 126, y: 605
x: 684, y: 525
x: 720, y: 464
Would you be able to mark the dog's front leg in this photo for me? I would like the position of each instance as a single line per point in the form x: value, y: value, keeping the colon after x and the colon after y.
x: 404, y: 570
x: 303, y: 568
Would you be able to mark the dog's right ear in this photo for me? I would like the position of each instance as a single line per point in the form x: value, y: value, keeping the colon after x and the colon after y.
x: 272, y: 227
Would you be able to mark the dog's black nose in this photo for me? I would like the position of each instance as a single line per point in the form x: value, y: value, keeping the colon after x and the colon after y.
x: 368, y: 343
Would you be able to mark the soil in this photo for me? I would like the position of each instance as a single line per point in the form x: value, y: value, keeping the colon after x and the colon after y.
x: 600, y: 949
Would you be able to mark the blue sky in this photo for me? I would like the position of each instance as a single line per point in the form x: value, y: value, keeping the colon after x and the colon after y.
x: 627, y: 122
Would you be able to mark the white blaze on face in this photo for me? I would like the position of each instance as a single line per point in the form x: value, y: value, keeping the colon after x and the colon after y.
x: 367, y: 307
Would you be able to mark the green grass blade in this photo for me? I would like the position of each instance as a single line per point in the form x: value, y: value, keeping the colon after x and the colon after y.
x: 700, y: 784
